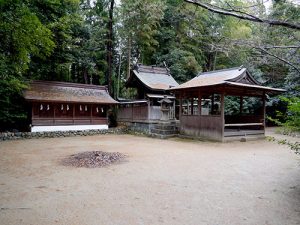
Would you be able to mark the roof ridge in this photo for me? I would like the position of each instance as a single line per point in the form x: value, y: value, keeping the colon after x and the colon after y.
x: 69, y: 84
x: 151, y: 69
x: 221, y: 70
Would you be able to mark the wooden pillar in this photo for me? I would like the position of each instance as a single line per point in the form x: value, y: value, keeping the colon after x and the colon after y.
x: 192, y: 106
x: 74, y: 105
x: 212, y: 104
x: 264, y: 111
x: 223, y: 114
x: 174, y: 109
x: 241, y: 105
x: 132, y: 112
x: 199, y: 103
x: 54, y: 109
x: 32, y: 112
x: 180, y: 105
x: 149, y: 110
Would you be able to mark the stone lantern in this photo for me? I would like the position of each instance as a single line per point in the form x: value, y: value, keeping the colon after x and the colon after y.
x: 165, y: 108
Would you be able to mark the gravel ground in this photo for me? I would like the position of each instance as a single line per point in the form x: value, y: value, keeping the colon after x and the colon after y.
x: 175, y: 182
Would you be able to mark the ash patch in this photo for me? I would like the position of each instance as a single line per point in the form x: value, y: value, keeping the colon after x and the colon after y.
x: 93, y: 159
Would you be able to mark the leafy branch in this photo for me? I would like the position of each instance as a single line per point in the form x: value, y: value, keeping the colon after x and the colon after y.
x: 243, y: 15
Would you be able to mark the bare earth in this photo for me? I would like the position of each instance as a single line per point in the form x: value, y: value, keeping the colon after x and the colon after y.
x: 162, y: 182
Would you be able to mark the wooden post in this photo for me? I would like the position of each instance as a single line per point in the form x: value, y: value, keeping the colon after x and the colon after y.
x: 174, y: 109
x: 199, y: 103
x: 192, y: 106
x: 32, y: 112
x: 132, y: 112
x: 223, y: 114
x: 149, y: 111
x: 73, y: 113
x: 54, y: 109
x: 264, y: 111
x: 188, y: 106
x: 180, y: 106
x: 212, y: 104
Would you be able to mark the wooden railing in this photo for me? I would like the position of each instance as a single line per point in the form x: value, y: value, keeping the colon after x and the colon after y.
x: 235, y: 119
x: 68, y: 121
x: 142, y: 113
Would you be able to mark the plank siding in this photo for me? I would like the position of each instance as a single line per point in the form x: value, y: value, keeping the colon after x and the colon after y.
x: 209, y: 127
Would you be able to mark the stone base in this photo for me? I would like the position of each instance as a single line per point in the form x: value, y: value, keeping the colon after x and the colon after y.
x: 164, y: 129
x: 142, y: 127
x: 68, y: 128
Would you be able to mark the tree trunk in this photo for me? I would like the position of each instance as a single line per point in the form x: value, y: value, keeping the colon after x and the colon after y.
x: 109, y: 46
x: 129, y: 56
x: 85, y: 76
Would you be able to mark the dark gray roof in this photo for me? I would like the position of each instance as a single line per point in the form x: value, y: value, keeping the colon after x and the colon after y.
x: 155, y: 78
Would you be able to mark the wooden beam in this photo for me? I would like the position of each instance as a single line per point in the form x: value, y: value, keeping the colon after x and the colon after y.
x: 199, y: 103
x: 243, y: 124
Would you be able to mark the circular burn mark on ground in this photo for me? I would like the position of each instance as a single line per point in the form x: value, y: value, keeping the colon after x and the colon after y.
x: 93, y: 159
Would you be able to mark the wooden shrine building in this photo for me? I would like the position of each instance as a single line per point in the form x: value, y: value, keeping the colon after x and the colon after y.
x: 61, y: 106
x: 206, y: 105
x: 152, y: 85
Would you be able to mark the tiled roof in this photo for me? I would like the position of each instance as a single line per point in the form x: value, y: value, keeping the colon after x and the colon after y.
x: 212, y: 78
x: 233, y: 76
x: 155, y: 78
x: 51, y: 91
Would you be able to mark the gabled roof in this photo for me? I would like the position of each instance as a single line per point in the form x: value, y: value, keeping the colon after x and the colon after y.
x: 154, y: 78
x: 238, y: 76
x: 52, y: 91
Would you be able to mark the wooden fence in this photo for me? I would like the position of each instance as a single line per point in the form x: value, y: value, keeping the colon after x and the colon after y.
x: 133, y: 113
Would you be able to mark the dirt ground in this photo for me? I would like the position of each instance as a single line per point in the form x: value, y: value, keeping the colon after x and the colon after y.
x: 175, y: 182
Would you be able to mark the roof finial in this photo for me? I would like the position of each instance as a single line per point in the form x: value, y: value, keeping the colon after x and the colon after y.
x: 241, y: 67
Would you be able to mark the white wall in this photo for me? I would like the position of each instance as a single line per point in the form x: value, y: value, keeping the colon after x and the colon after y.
x: 68, y: 128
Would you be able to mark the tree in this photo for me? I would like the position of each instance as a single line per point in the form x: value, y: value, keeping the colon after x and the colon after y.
x: 140, y: 21
x: 23, y: 36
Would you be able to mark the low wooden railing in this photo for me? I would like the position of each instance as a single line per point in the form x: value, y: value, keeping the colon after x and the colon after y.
x: 68, y: 121
x: 142, y: 113
x: 235, y: 119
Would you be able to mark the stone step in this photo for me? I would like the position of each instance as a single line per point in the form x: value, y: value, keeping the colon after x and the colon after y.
x: 165, y: 127
x: 163, y: 132
x: 163, y: 136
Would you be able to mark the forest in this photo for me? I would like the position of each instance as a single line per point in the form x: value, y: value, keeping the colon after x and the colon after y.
x: 98, y: 41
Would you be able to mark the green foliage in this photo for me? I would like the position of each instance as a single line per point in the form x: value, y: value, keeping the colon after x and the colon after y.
x: 140, y: 21
x: 293, y: 113
x: 23, y: 36
x: 13, y: 108
x: 294, y: 146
